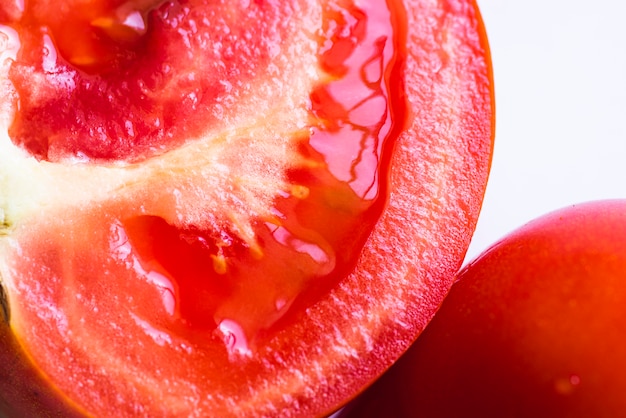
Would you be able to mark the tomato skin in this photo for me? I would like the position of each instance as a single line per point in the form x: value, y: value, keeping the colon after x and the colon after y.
x: 534, y: 327
x: 25, y: 392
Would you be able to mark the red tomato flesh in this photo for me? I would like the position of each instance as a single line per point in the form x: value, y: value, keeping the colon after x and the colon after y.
x: 213, y: 276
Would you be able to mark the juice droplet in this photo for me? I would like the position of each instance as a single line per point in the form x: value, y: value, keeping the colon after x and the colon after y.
x: 9, y: 44
x: 234, y: 338
x: 566, y: 385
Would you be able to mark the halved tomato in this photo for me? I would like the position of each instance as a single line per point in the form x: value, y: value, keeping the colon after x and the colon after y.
x: 230, y: 208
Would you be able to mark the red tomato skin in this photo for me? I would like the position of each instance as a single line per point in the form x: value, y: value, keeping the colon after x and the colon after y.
x: 25, y: 392
x: 534, y: 327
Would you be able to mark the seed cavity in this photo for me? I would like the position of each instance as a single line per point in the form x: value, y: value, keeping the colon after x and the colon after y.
x: 299, y: 191
x: 219, y: 264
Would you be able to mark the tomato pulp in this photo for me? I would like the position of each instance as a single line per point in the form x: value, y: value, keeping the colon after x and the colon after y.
x: 218, y: 209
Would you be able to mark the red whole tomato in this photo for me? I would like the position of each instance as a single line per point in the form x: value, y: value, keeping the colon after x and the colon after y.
x: 534, y: 327
x: 236, y: 208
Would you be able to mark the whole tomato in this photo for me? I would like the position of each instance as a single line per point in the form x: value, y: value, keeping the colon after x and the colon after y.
x: 534, y: 327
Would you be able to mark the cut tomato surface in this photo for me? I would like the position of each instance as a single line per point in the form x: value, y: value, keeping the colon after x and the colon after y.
x: 220, y: 209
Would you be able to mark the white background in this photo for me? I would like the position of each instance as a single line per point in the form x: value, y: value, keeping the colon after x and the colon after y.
x: 560, y: 82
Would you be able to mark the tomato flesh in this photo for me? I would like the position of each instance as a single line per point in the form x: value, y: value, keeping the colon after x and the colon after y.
x: 317, y: 227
